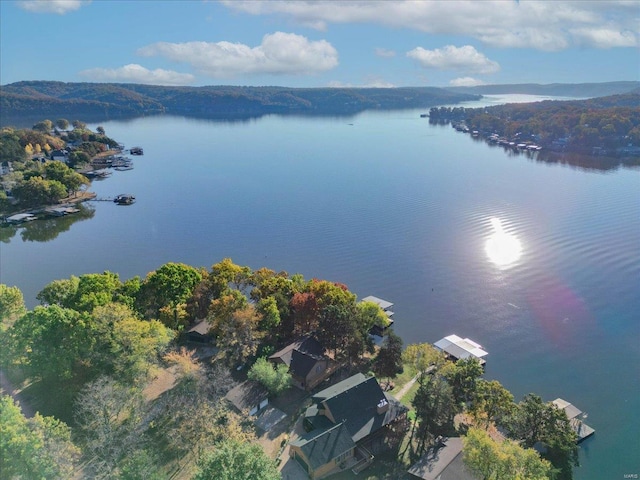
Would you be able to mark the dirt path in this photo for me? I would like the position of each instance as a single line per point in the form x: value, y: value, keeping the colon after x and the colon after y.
x: 401, y: 393
x: 7, y: 389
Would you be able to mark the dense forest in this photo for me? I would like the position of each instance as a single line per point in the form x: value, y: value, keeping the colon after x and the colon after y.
x: 121, y: 393
x: 577, y: 90
x: 601, y: 126
x: 107, y: 100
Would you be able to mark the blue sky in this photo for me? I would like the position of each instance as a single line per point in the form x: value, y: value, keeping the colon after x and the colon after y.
x: 320, y: 43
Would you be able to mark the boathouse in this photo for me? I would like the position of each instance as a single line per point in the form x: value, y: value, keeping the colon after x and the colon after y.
x: 458, y: 348
x: 575, y: 416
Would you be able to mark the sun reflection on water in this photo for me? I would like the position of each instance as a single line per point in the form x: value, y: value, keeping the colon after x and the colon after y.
x: 503, y: 249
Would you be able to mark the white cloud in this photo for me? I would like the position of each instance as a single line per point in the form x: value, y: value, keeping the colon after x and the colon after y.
x: 279, y: 53
x: 135, y: 73
x: 52, y: 6
x: 539, y: 24
x: 465, y: 82
x: 465, y: 59
x: 385, y: 53
x: 605, y: 37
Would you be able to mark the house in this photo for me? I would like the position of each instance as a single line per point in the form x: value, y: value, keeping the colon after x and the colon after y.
x: 60, y: 155
x: 248, y: 397
x: 199, y: 332
x: 458, y: 348
x: 344, y: 423
x: 307, y: 362
x: 442, y: 462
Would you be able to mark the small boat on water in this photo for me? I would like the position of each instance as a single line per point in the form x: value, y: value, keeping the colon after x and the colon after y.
x: 136, y: 151
x: 124, y: 199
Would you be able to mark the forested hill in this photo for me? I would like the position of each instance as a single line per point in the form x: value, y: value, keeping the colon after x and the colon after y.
x: 578, y: 90
x: 44, y: 98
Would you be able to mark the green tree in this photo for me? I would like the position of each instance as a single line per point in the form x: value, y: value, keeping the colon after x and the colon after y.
x: 232, y: 460
x: 59, y: 292
x: 276, y: 379
x: 44, y: 126
x: 388, y: 363
x: 424, y: 357
x: 38, y: 448
x: 369, y: 314
x: 95, y: 289
x: 66, y: 176
x: 435, y: 408
x: 100, y: 130
x: 463, y: 377
x: 491, y: 460
x: 38, y: 191
x: 136, y: 344
x: 535, y: 421
x: 171, y: 285
x: 50, y: 342
x: 10, y: 148
x: 491, y: 402
x: 78, y: 158
x: 62, y: 123
x: 78, y: 125
x: 11, y: 306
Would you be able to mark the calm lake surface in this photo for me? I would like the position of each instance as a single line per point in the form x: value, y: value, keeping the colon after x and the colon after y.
x: 396, y: 208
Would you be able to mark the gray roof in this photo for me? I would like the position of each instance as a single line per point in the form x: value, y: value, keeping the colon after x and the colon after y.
x: 300, y: 356
x: 321, y: 447
x: 354, y: 402
x: 443, y: 463
x: 247, y: 395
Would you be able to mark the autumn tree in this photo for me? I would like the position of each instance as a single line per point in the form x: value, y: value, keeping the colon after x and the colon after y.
x: 109, y: 417
x: 493, y: 460
x: 239, y: 336
x: 424, y: 358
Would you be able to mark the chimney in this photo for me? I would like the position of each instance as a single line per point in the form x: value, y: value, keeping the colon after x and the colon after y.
x: 383, y: 406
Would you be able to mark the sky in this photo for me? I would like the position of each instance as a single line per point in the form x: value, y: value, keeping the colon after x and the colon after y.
x: 317, y: 43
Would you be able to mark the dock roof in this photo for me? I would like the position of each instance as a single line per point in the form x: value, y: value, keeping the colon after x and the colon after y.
x: 383, y: 304
x: 460, y: 347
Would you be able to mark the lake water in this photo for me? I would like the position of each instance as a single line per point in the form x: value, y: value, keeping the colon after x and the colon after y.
x: 396, y: 208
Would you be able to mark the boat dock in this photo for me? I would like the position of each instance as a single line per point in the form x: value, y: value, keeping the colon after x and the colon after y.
x: 575, y: 416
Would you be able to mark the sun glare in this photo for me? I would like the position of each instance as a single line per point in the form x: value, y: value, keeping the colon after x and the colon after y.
x: 503, y: 249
